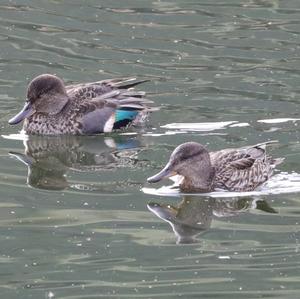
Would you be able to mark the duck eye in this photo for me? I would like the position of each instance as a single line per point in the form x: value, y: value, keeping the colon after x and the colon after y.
x: 185, y: 157
x: 190, y: 155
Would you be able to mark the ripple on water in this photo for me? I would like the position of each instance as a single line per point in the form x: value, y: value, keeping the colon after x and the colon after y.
x: 281, y: 183
x: 237, y: 62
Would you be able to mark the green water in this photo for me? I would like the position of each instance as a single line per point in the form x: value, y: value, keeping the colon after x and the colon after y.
x: 76, y: 219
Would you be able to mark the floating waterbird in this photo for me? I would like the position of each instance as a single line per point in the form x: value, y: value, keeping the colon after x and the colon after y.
x: 234, y: 169
x: 52, y: 108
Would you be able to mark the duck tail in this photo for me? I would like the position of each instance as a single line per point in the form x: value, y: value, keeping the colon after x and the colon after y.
x: 275, y: 161
x: 134, y: 103
x: 124, y: 83
x: 133, y: 100
x: 133, y: 84
x: 262, y: 145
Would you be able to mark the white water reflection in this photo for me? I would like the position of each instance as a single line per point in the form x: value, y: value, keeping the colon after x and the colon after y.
x: 207, y: 126
x: 18, y: 136
x: 277, y: 120
x: 281, y: 183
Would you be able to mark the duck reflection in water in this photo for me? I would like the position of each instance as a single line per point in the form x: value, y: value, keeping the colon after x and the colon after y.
x: 49, y: 158
x: 193, y: 215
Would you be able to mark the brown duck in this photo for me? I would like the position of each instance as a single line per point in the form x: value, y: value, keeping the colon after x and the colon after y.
x: 234, y: 169
x: 51, y: 108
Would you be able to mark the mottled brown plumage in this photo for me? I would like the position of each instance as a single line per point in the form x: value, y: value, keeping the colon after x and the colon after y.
x: 52, y: 108
x: 240, y: 169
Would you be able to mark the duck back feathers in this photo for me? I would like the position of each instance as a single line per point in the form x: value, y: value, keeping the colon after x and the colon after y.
x: 243, y: 169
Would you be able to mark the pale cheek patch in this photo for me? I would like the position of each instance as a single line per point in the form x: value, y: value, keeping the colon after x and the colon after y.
x: 177, y: 179
x: 109, y: 124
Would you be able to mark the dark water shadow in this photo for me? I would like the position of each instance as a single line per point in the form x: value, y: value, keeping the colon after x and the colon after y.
x: 50, y: 158
x: 193, y: 215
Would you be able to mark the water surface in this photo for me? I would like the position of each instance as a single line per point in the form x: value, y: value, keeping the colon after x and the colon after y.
x: 74, y: 221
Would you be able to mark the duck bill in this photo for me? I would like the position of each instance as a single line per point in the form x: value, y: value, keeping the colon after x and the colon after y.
x: 163, y: 211
x: 163, y: 174
x: 24, y: 113
x: 28, y: 161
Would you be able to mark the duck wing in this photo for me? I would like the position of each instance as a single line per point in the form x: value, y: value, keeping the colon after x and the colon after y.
x: 109, y: 111
x: 87, y: 91
x: 243, y: 169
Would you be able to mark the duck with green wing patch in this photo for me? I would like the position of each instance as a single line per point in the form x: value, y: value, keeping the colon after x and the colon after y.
x: 52, y: 108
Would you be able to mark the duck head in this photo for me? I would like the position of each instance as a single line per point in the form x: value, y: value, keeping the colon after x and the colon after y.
x: 45, y: 94
x: 191, y: 161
